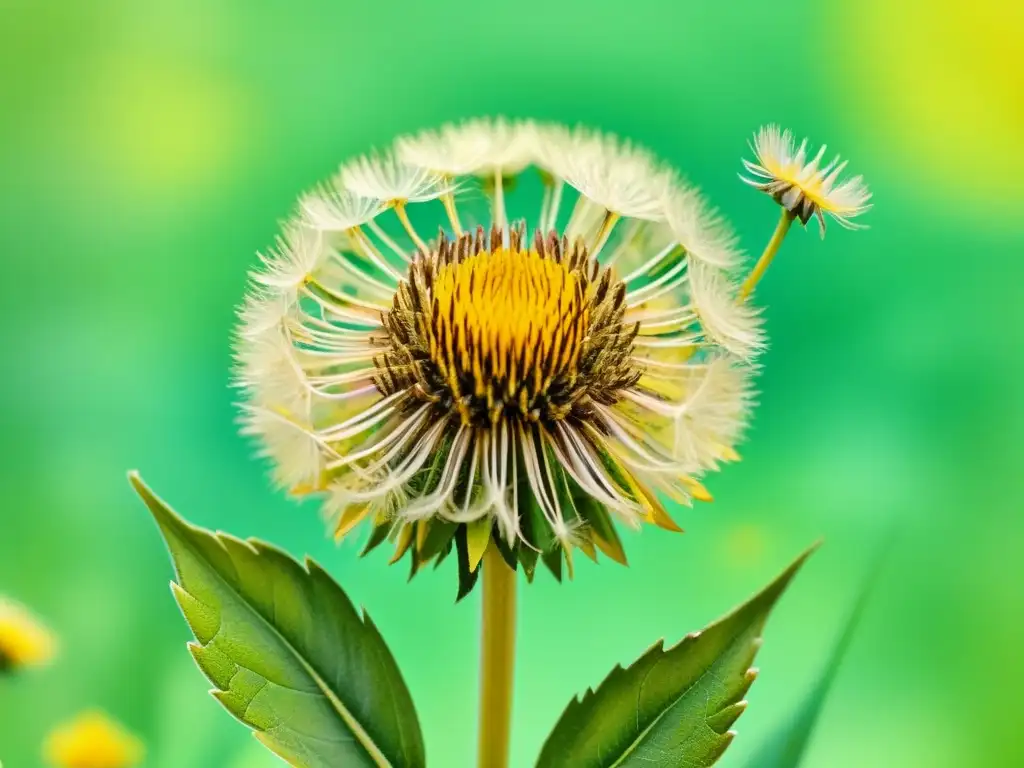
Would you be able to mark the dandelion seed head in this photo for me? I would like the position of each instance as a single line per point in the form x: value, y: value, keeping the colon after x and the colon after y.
x: 427, y: 348
x: 802, y: 184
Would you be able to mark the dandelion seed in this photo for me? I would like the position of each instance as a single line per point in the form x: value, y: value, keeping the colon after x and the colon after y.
x: 805, y: 187
x: 535, y: 372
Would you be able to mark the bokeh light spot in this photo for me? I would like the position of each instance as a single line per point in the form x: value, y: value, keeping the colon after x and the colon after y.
x: 156, y: 124
x: 945, y: 83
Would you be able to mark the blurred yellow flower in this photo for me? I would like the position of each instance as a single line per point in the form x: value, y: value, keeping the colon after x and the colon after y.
x: 24, y: 641
x: 93, y: 740
x: 804, y: 187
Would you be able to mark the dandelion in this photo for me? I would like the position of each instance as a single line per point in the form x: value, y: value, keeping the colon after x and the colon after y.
x: 804, y: 188
x: 24, y: 640
x: 93, y: 740
x: 501, y: 337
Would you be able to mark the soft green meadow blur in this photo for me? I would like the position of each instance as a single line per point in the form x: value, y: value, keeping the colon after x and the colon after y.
x: 148, y: 148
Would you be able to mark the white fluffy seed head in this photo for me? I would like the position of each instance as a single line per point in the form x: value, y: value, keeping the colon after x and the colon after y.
x: 333, y: 208
x: 389, y: 178
x: 296, y: 455
x: 480, y: 147
x: 701, y: 230
x: 262, y: 310
x: 623, y: 178
x: 720, y: 398
x: 335, y: 388
x: 295, y: 255
x: 733, y: 324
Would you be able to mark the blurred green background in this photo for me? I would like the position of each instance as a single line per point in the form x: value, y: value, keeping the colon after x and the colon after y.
x: 148, y: 148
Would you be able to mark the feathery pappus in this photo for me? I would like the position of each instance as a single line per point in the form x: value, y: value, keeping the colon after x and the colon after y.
x: 500, y: 333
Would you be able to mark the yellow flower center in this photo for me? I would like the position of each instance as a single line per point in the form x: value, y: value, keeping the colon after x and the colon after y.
x: 489, y: 330
x: 809, y: 185
x: 510, y: 321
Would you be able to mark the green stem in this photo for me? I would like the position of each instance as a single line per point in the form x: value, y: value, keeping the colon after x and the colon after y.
x: 769, y: 253
x: 497, y: 660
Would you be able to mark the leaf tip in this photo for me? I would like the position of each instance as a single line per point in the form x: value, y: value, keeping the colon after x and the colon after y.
x: 165, y: 517
x: 773, y: 591
x: 138, y: 484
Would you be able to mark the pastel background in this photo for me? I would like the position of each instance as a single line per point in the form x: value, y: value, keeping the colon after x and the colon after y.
x: 148, y: 148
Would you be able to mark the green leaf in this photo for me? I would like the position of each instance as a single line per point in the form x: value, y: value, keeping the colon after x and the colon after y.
x: 287, y: 652
x: 671, y: 707
x: 786, y: 747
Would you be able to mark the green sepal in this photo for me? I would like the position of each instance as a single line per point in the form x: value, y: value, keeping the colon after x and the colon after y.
x: 439, y: 536
x: 527, y: 554
x: 426, y: 480
x: 467, y: 577
x: 438, y: 539
x: 445, y: 551
x: 528, y: 557
x: 671, y: 707
x: 288, y: 653
x: 538, y: 532
x: 553, y: 560
x: 378, y: 536
x: 414, y: 561
x: 594, y: 514
x: 615, y: 473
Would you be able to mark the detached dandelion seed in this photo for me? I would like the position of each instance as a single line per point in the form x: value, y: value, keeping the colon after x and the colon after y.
x: 505, y: 376
x: 804, y: 187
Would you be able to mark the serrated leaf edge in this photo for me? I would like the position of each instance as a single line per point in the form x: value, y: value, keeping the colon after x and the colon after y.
x: 167, y: 519
x: 777, y: 586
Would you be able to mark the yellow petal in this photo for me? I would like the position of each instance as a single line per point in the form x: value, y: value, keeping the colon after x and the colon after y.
x: 305, y: 489
x: 478, y: 536
x: 663, y: 520
x: 656, y: 513
x: 350, y: 518
x: 568, y: 562
x: 402, y: 545
x: 697, y: 490
x: 728, y: 454
x: 422, y: 529
x: 587, y: 547
x: 612, y: 548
